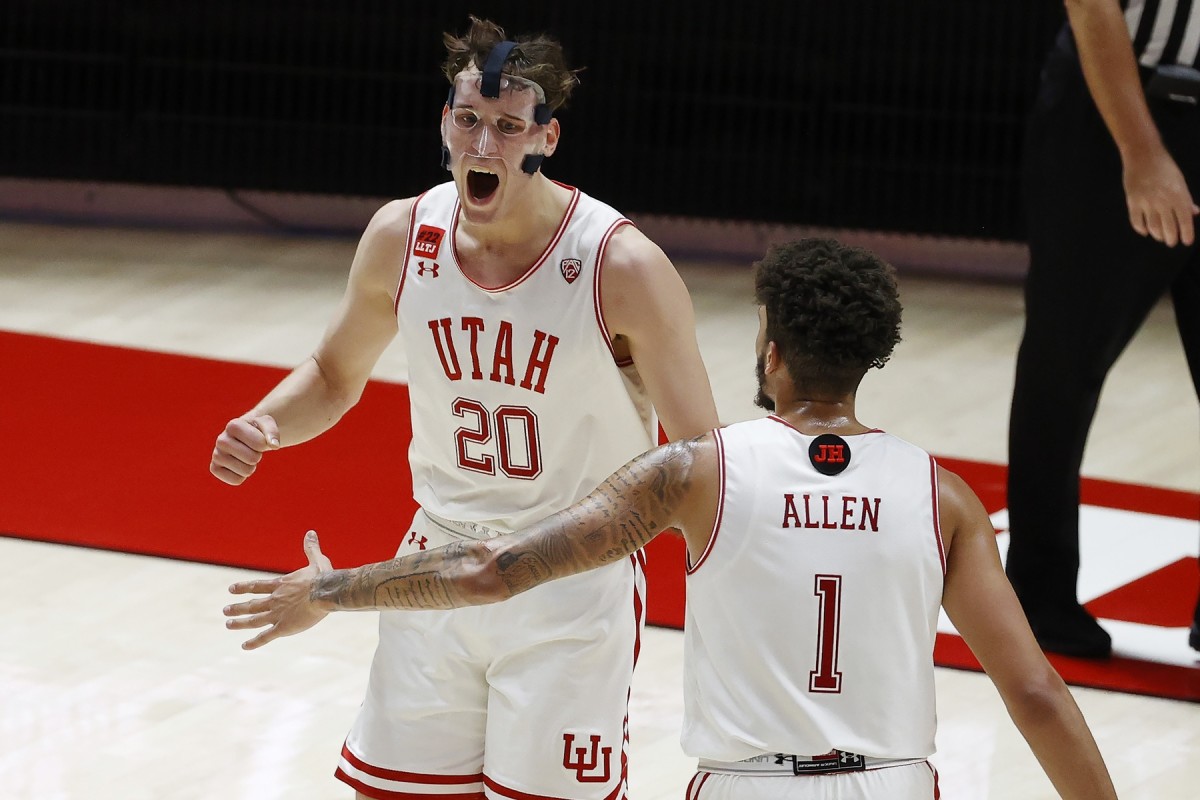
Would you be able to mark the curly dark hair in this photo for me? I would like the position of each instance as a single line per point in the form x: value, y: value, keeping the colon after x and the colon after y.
x: 833, y: 311
x: 538, y: 58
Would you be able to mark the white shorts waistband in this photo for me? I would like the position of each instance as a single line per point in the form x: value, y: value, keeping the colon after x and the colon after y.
x: 784, y: 764
x: 460, y: 529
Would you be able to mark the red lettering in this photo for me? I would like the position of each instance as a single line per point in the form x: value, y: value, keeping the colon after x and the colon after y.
x: 475, y: 326
x: 825, y: 509
x: 446, y: 354
x: 539, y: 364
x: 857, y: 513
x: 503, y: 355
x: 871, y: 514
x: 789, y: 510
x: 809, y: 522
x: 847, y: 512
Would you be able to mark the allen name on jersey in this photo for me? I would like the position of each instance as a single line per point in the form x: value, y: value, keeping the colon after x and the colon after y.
x: 831, y: 512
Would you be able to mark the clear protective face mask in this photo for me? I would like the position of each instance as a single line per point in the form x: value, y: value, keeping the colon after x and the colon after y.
x: 505, y: 127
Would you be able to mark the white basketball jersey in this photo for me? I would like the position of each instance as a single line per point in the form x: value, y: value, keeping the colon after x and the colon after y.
x: 811, y: 616
x: 518, y: 405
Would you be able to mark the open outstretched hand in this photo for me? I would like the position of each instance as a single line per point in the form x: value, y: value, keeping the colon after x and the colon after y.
x: 288, y: 607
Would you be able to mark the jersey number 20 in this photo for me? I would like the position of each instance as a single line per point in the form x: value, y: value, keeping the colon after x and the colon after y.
x: 508, y: 435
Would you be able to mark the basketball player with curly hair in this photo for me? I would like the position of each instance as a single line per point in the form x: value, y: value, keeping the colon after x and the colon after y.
x: 819, y: 552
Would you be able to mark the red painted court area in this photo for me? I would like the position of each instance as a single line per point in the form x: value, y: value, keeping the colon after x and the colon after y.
x: 108, y: 447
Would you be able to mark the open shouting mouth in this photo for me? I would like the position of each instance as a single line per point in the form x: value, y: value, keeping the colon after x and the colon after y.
x: 482, y: 184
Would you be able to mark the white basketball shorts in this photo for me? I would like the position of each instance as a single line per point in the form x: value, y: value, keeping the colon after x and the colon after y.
x: 525, y: 699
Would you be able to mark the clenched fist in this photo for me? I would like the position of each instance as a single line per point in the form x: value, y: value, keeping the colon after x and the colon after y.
x: 241, y: 446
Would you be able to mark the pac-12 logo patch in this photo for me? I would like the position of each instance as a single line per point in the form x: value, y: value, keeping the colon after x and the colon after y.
x: 570, y: 268
x: 428, y: 241
x: 829, y: 454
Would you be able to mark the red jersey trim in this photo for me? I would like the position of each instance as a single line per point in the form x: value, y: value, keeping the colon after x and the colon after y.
x: 597, y: 300
x: 937, y: 519
x: 638, y: 562
x: 554, y: 240
x: 783, y: 421
x: 712, y: 536
x: 408, y: 245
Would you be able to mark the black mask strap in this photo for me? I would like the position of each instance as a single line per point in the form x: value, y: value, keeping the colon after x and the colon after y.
x: 532, y: 163
x: 493, y: 69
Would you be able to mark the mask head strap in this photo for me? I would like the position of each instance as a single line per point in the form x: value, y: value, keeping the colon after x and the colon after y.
x: 493, y: 69
x: 493, y: 72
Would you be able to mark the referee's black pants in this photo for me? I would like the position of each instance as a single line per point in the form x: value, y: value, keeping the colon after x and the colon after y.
x: 1092, y: 280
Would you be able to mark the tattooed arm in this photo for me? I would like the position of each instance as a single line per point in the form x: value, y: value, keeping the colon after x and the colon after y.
x: 675, y: 485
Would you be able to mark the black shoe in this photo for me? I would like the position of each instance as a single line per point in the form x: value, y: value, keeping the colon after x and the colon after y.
x: 1070, y: 631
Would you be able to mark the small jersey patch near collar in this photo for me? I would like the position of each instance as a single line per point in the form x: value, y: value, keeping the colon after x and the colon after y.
x: 829, y: 454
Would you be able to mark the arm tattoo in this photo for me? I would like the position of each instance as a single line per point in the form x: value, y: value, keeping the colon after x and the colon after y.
x: 629, y: 509
x: 521, y: 571
x: 422, y: 590
x: 421, y: 581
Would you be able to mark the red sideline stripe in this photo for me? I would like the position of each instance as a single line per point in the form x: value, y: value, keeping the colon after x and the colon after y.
x: 1117, y: 673
x: 63, y: 488
x: 1164, y: 597
x: 989, y: 481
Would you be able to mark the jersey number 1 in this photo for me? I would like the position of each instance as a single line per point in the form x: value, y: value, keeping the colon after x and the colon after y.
x: 826, y: 678
x: 517, y: 447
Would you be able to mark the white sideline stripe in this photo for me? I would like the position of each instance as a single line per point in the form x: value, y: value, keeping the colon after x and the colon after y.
x: 1118, y: 547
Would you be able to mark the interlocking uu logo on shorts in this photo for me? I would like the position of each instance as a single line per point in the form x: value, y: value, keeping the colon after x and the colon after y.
x: 584, y: 762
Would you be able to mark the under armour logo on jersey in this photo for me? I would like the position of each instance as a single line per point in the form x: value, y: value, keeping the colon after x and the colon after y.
x: 428, y: 241
x: 422, y: 268
x: 420, y: 543
x: 570, y: 268
x: 586, y: 761
x: 829, y: 454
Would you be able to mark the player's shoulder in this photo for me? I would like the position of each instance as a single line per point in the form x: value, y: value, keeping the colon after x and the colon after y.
x: 955, y: 497
x: 392, y: 219
x: 633, y: 256
x: 950, y: 481
x: 380, y: 255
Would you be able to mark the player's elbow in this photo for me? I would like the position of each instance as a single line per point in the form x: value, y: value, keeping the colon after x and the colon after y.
x: 480, y: 581
x: 1037, y: 698
x: 340, y: 391
x: 502, y: 567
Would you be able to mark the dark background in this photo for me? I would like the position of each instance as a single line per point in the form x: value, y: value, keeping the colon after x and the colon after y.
x: 874, y: 115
